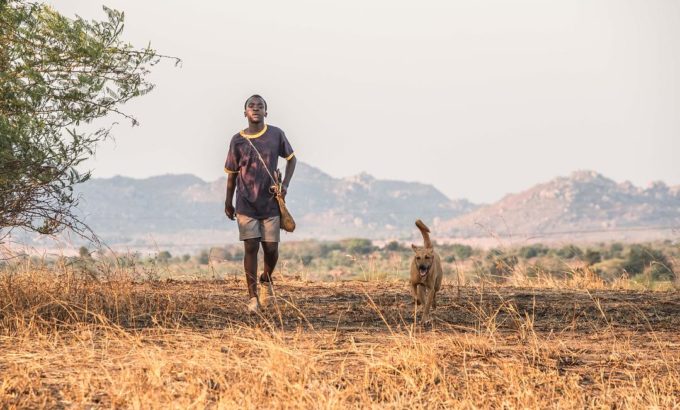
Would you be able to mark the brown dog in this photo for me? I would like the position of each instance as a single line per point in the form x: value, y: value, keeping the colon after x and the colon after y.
x: 426, y: 273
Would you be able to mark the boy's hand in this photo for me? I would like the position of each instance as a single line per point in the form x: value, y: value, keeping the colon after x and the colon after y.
x: 229, y: 210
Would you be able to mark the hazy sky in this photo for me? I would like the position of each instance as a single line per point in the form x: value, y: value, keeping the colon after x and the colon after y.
x: 478, y: 97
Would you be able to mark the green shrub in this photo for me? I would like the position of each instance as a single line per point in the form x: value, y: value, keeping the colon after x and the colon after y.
x: 328, y: 247
x: 659, y: 272
x: 615, y: 250
x: 84, y: 253
x: 569, y: 252
x: 164, y: 256
x: 358, y: 246
x: 203, y: 258
x: 461, y: 252
x: 394, y: 246
x: 532, y: 251
x: 306, y: 259
x: 591, y: 257
x: 641, y: 257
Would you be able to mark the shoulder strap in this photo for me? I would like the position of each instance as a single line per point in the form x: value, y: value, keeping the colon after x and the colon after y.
x: 274, y: 180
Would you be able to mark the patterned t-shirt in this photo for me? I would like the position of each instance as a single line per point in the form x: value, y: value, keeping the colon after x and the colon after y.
x: 253, y: 195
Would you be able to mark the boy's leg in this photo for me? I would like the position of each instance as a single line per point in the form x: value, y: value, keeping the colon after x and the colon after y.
x: 251, y: 247
x: 270, y: 246
x: 271, y: 256
x: 249, y: 232
x: 271, y: 235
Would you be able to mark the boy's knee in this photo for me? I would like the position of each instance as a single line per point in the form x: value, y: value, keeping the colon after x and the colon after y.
x: 251, y: 245
x: 270, y: 247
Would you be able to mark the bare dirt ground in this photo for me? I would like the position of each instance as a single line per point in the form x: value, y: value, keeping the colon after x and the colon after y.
x: 338, y: 345
x: 379, y: 306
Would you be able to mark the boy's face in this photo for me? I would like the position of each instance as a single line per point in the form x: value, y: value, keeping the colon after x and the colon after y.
x: 255, y: 110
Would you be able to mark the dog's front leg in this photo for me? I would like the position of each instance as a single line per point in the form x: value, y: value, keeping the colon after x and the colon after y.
x: 421, y: 294
x: 428, y: 305
x: 416, y: 295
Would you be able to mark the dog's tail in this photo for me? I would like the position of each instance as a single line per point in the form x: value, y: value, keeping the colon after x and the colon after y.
x: 425, y: 231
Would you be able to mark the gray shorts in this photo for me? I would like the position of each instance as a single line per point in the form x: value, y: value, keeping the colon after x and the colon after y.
x: 268, y: 230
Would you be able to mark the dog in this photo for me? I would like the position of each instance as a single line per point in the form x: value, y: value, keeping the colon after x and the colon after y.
x: 426, y: 273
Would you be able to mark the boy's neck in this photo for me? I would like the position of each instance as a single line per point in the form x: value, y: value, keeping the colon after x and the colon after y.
x: 254, y: 127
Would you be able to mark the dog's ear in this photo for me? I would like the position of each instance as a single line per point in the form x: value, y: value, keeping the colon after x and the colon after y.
x: 415, y: 248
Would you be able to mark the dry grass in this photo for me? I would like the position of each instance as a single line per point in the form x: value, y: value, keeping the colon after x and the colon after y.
x: 69, y: 341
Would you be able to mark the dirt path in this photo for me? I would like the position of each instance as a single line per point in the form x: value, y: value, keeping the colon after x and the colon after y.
x: 385, y: 305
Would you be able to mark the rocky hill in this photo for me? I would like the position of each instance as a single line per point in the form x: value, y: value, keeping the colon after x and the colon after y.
x: 184, y: 210
x: 582, y: 202
x: 184, y: 207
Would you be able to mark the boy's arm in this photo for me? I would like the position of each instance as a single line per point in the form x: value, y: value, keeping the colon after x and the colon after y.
x: 231, y: 167
x: 290, y: 169
x: 229, y: 202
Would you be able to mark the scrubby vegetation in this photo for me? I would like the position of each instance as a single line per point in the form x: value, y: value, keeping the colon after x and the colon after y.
x: 650, y: 266
x: 635, y: 266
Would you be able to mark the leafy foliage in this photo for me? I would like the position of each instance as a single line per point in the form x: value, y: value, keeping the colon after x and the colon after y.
x: 569, y: 252
x: 57, y: 76
x: 642, y: 258
x: 359, y: 246
x: 532, y: 251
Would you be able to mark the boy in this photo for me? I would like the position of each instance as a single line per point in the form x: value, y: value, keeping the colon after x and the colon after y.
x: 256, y: 211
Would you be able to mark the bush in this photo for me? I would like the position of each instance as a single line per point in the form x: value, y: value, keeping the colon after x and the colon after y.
x: 500, y: 264
x: 57, y: 77
x: 327, y: 247
x: 659, y: 272
x: 569, y: 252
x: 84, y: 253
x: 615, y: 250
x: 641, y: 258
x: 164, y: 256
x: 461, y: 252
x: 591, y: 257
x: 358, y: 246
x: 394, y: 246
x: 532, y: 251
x: 306, y: 259
x: 203, y: 258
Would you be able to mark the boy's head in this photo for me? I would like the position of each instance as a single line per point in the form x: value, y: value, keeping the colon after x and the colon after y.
x: 255, y: 108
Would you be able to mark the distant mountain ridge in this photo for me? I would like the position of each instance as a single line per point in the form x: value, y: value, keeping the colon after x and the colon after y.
x: 583, y: 201
x: 185, y: 208
x: 121, y: 209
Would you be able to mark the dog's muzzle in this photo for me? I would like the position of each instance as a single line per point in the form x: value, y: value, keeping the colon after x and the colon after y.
x: 423, y: 270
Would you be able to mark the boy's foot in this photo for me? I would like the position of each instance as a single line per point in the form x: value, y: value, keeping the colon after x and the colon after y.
x: 253, y: 306
x: 266, y: 294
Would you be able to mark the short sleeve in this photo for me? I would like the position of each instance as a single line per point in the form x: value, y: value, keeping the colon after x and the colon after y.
x: 231, y: 164
x: 285, y: 150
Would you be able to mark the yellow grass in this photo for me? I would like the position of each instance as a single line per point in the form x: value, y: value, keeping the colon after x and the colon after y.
x: 67, y: 340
